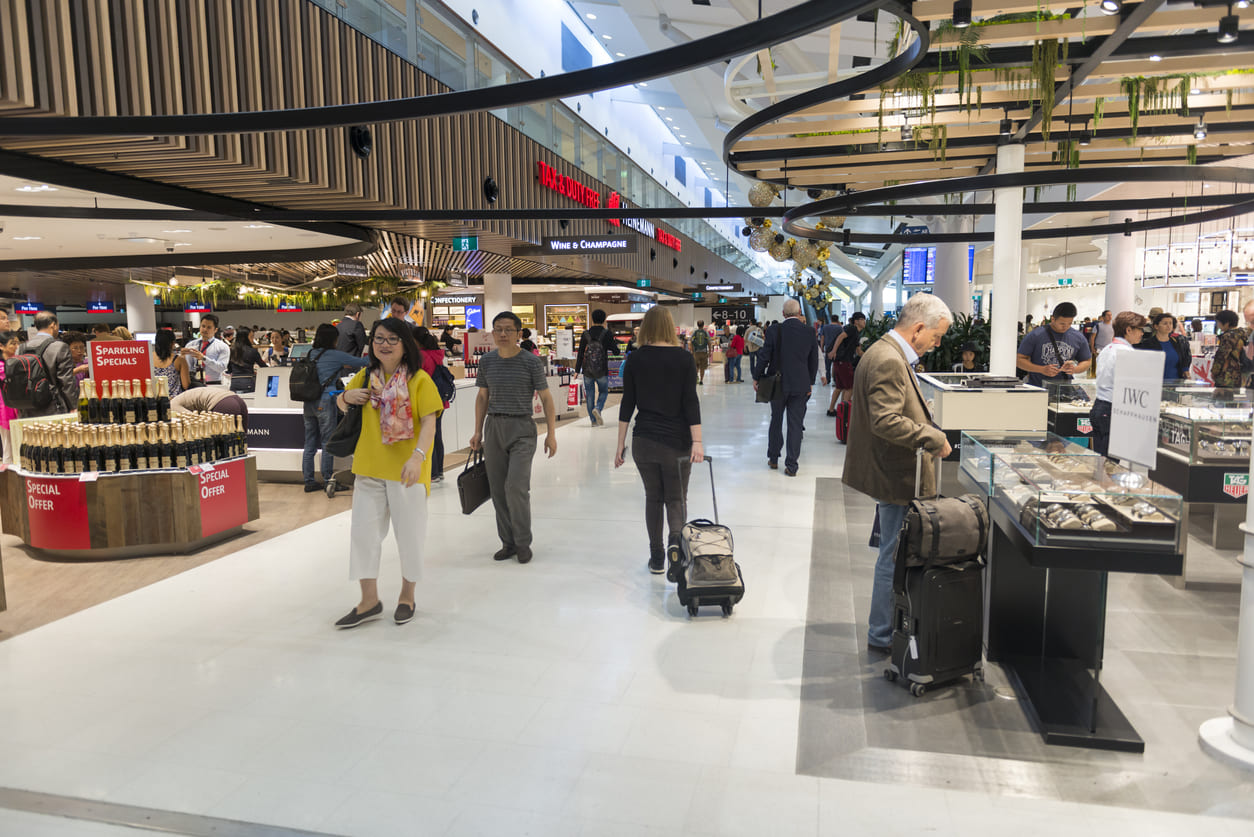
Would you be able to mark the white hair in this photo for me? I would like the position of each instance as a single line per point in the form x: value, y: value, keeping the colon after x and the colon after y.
x: 792, y: 308
x: 928, y: 309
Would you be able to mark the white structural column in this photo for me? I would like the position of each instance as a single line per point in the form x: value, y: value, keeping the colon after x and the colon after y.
x: 141, y: 313
x: 1120, y: 273
x: 498, y: 296
x: 1232, y: 738
x: 1025, y: 274
x: 1007, y: 249
x: 686, y: 316
x: 951, y: 266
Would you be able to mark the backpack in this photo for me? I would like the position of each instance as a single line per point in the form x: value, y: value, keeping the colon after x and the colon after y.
x: 304, y: 384
x: 1226, y: 369
x: 755, y: 338
x: 28, y: 386
x: 445, y: 383
x: 594, y: 357
x: 700, y: 340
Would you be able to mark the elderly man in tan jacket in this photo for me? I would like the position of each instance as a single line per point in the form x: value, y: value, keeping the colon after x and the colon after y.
x: 889, y: 422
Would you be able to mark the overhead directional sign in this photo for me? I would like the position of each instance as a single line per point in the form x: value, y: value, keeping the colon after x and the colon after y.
x: 1065, y: 281
x: 644, y: 283
x: 465, y: 243
x: 920, y: 229
x: 725, y: 287
x: 586, y: 244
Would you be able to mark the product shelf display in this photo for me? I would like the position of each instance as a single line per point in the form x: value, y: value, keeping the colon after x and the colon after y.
x: 1069, y: 406
x: 129, y: 477
x: 1063, y: 518
x: 1204, y: 438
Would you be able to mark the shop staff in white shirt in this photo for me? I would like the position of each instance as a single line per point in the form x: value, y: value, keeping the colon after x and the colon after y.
x: 1128, y: 327
x: 207, y: 356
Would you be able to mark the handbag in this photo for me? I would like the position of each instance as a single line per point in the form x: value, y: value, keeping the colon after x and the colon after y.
x: 768, y: 388
x: 343, y: 439
x: 472, y: 483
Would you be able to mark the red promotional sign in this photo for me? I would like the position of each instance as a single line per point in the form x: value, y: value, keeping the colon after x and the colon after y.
x: 57, y: 512
x: 223, y: 497
x: 120, y: 360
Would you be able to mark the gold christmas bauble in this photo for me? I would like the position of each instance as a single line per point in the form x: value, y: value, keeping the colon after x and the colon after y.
x: 781, y: 251
x: 832, y: 221
x: 803, y: 253
x: 761, y: 239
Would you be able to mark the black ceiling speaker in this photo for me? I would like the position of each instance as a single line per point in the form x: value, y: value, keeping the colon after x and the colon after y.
x: 779, y: 238
x: 674, y: 262
x: 360, y: 141
x: 563, y: 223
x: 691, y: 270
x: 652, y: 254
x: 705, y: 275
x: 814, y: 193
x: 490, y: 190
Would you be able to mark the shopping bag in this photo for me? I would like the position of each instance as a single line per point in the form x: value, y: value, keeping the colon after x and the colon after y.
x: 472, y: 483
x: 343, y: 439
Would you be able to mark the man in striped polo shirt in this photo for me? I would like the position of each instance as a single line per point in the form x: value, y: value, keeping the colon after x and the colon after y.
x: 506, y: 431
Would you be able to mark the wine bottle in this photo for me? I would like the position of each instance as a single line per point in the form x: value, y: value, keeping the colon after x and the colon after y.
x: 36, y: 448
x: 113, y: 451
x: 241, y: 437
x: 117, y: 407
x: 141, y: 406
x: 30, y: 448
x: 58, y: 451
x: 93, y: 402
x: 82, y: 450
x: 165, y: 450
x: 150, y: 400
x: 130, y: 448
x: 141, y: 448
x: 128, y: 402
x: 84, y: 403
x: 95, y: 447
x: 163, y: 398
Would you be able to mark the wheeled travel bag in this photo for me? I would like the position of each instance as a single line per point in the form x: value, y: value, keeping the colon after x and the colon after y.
x: 703, y: 564
x: 938, y: 591
x: 843, y: 410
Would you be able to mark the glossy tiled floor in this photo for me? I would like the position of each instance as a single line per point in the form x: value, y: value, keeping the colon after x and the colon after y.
x: 570, y: 696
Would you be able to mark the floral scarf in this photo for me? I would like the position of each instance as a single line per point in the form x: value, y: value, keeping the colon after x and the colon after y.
x: 396, y: 416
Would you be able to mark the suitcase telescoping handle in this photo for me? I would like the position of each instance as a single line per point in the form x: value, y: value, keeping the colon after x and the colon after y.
x: 679, y: 463
x: 918, y: 472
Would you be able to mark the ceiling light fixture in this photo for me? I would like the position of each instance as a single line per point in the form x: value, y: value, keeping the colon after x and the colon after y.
x: 661, y: 108
x: 621, y: 54
x: 1228, y: 25
x: 643, y: 84
x: 1199, y: 130
x: 1156, y: 58
x: 1086, y: 138
x: 1111, y: 7
x: 1196, y: 91
x: 962, y: 14
x: 42, y: 187
x: 27, y: 237
x: 176, y: 231
x: 590, y: 16
x: 608, y: 37
x: 1006, y: 128
x: 259, y: 226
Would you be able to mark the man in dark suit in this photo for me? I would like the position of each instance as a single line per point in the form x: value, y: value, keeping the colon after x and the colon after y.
x: 352, y: 337
x: 792, y: 351
x: 889, y: 421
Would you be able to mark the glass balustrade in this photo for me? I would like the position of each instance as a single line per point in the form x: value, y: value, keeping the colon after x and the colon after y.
x: 441, y: 45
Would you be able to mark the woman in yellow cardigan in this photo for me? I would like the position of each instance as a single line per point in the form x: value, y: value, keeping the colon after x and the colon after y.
x: 400, y: 403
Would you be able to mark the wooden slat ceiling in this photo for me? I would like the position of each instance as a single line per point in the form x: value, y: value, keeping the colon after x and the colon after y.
x: 99, y: 57
x: 862, y: 150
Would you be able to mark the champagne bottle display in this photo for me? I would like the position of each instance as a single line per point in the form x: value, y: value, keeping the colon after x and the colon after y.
x: 84, y: 402
x: 150, y: 400
x: 163, y: 399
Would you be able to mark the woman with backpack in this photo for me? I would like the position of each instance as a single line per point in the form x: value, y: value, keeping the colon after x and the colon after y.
x: 433, y: 356
x: 13, y: 341
x: 320, y: 414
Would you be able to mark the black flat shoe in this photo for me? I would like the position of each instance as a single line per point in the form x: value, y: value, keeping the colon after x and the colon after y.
x: 524, y: 554
x: 504, y: 553
x: 831, y: 413
x: 353, y: 619
x: 404, y: 612
x: 878, y: 649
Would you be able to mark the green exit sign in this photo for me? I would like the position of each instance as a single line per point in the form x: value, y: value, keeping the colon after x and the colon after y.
x: 1064, y: 281
x: 643, y: 283
x: 722, y: 300
x: 698, y: 296
x: 464, y: 243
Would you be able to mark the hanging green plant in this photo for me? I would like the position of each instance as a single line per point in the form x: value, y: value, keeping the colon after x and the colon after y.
x: 1132, y: 91
x: 1192, y: 155
x: 1099, y: 108
x: 1044, y: 63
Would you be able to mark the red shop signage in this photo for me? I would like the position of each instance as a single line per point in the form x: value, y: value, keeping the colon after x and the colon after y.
x: 566, y: 186
x: 56, y: 508
x: 120, y: 360
x: 223, y: 497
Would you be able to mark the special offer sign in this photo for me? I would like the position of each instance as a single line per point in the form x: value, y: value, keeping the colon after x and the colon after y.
x: 223, y: 497
x: 120, y: 360
x: 57, y: 512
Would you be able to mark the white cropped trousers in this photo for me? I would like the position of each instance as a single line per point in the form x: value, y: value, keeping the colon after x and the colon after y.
x: 376, y: 503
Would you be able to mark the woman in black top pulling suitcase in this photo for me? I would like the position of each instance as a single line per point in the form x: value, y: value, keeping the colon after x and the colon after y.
x: 660, y: 384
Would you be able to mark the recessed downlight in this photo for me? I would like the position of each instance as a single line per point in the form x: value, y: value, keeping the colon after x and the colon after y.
x: 608, y: 37
x: 590, y: 16
x: 259, y: 226
x: 27, y: 237
x: 621, y: 54
x: 138, y: 239
x: 176, y: 231
x: 42, y: 187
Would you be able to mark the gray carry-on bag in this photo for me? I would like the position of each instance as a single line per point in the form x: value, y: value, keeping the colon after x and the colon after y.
x: 702, y: 563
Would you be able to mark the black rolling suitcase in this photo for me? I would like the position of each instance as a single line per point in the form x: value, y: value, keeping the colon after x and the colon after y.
x: 702, y: 563
x: 938, y: 591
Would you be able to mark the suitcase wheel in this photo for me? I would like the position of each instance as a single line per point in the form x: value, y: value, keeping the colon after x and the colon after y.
x: 693, y: 607
x: 890, y: 675
x: 727, y: 608
x: 917, y: 689
x: 331, y: 487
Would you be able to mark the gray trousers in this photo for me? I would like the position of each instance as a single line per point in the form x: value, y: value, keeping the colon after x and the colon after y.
x: 509, y: 446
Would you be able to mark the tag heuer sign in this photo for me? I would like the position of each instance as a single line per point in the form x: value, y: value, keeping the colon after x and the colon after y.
x: 1236, y: 485
x: 1083, y: 425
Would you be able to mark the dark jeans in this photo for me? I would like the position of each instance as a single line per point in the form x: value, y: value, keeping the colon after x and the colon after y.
x: 437, y: 448
x: 665, y: 487
x: 794, y: 404
x: 321, y: 416
x: 1099, y: 415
